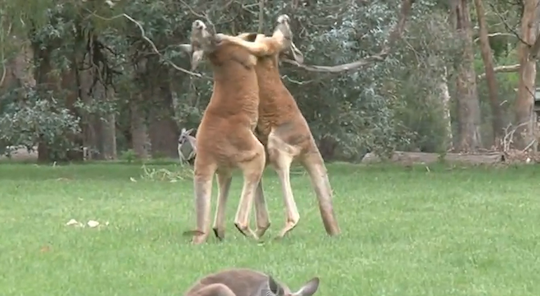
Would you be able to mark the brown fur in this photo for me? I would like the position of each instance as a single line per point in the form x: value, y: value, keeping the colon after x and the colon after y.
x: 225, y: 137
x: 283, y: 130
x: 246, y: 282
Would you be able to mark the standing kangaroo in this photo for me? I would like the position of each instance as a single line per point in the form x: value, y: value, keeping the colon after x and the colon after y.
x: 225, y: 137
x: 284, y: 131
x: 246, y: 282
x: 186, y: 138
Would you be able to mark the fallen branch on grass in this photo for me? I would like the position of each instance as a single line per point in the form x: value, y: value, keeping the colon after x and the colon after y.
x: 508, y: 138
x: 410, y: 158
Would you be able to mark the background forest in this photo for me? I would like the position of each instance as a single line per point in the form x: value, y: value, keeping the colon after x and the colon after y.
x: 431, y: 76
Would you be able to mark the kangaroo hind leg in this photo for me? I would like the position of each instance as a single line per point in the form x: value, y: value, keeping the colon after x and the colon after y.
x: 281, y: 160
x: 314, y: 164
x: 202, y: 180
x: 224, y: 178
x: 252, y: 170
x: 261, y: 211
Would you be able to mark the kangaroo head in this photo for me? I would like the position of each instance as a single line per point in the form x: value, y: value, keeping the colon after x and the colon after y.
x: 283, y: 28
x: 202, y: 41
x: 184, y: 138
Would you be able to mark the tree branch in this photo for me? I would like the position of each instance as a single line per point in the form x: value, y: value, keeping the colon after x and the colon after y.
x: 4, y: 68
x: 261, y: 16
x: 2, y: 61
x: 507, y: 26
x: 534, y: 49
x: 395, y: 35
x: 496, y: 34
x: 205, y: 16
x: 143, y: 35
x: 502, y: 69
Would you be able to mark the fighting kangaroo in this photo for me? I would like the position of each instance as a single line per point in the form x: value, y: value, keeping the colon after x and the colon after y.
x: 225, y: 137
x: 284, y: 132
x: 247, y: 282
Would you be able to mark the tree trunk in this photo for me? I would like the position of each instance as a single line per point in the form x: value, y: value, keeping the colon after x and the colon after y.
x: 89, y: 122
x: 163, y: 129
x: 138, y: 116
x: 70, y: 91
x: 524, y: 119
x: 108, y: 130
x: 97, y: 94
x: 19, y: 71
x: 138, y: 128
x: 485, y: 48
x: 105, y: 124
x: 467, y: 97
x: 445, y: 100
x: 98, y: 128
x: 43, y: 75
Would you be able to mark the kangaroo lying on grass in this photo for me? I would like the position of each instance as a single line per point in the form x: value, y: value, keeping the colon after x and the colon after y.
x: 247, y: 282
x: 284, y: 131
x: 225, y: 137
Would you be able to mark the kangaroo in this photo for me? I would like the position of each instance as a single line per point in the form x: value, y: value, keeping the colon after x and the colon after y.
x: 284, y: 131
x: 225, y: 137
x: 246, y: 282
x: 186, y: 138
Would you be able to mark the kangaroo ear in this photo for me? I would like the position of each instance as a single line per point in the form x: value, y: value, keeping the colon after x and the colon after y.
x: 309, y: 288
x: 273, y: 285
x: 271, y: 288
x: 188, y: 131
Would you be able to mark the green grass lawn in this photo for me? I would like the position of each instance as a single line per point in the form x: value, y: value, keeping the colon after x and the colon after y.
x: 405, y: 231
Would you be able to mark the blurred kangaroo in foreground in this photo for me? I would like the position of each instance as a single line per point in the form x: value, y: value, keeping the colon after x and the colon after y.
x: 225, y: 137
x: 246, y: 282
x: 285, y: 134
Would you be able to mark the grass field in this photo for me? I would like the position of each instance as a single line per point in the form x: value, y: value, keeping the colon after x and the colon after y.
x: 406, y: 232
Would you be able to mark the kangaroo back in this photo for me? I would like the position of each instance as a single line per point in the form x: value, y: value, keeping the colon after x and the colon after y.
x: 246, y: 282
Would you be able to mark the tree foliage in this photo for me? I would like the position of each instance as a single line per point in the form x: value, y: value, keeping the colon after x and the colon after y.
x: 94, y: 60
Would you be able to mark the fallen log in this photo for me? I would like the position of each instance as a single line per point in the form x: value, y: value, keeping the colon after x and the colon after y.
x: 409, y: 158
x: 21, y: 153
